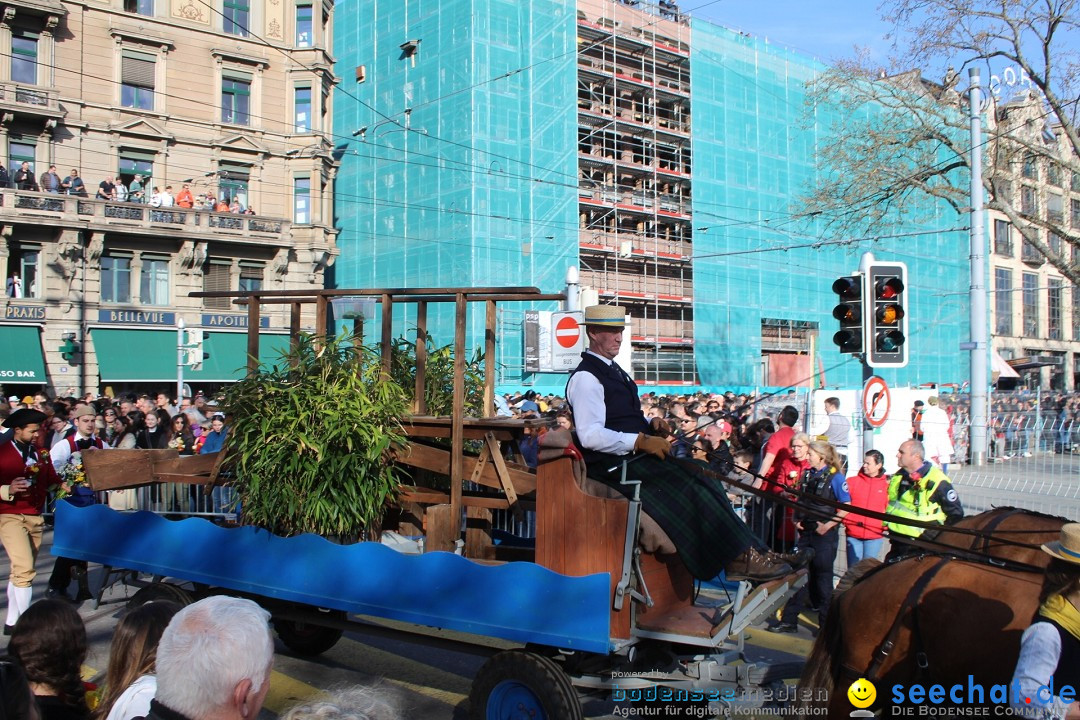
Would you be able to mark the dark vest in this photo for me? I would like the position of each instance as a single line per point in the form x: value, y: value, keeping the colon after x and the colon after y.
x: 1068, y: 667
x: 621, y: 404
x: 816, y: 484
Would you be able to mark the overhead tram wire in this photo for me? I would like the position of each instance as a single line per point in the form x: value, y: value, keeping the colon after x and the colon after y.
x: 482, y: 169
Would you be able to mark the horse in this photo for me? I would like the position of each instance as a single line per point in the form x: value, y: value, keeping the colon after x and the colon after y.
x: 936, y: 619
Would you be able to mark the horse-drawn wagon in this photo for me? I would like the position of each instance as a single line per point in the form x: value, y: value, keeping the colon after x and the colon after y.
x: 590, y: 609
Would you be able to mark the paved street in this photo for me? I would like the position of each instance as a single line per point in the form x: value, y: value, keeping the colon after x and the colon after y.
x: 426, y: 683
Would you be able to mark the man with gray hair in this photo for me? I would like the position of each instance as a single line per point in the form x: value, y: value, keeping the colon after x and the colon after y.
x: 214, y: 662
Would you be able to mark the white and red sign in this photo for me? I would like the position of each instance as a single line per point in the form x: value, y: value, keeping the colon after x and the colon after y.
x: 875, y: 401
x: 569, y: 340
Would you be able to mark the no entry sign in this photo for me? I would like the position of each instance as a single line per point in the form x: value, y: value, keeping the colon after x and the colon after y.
x: 569, y: 340
x: 567, y: 331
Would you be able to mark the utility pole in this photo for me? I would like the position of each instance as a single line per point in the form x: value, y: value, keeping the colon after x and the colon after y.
x: 979, y: 346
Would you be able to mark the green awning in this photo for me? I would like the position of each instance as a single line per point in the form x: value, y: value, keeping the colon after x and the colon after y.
x: 21, y: 360
x: 150, y: 355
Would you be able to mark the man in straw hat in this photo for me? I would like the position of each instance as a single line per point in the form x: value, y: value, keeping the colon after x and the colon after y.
x: 692, y: 508
x: 1048, y: 669
x: 25, y: 475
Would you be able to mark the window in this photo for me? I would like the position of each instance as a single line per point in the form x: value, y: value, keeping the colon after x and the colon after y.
x: 136, y: 162
x: 1053, y: 309
x: 1030, y: 169
x: 1028, y: 204
x: 1055, y: 208
x: 1057, y: 245
x: 235, y: 98
x: 216, y: 278
x: 1053, y: 174
x: 1003, y: 306
x: 137, y: 80
x: 304, y: 36
x: 20, y: 151
x: 1075, y: 182
x: 154, y: 281
x: 1003, y: 238
x: 1075, y: 208
x: 302, y: 105
x: 115, y: 279
x: 142, y: 7
x: 27, y: 264
x: 302, y: 201
x: 1031, y: 305
x: 24, y: 50
x: 1030, y: 254
x: 251, y: 276
x: 233, y: 184
x: 237, y: 13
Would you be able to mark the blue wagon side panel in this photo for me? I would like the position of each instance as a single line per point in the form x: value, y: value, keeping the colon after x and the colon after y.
x: 522, y: 602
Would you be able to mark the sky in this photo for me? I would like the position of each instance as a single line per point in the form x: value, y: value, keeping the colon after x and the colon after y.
x: 824, y: 29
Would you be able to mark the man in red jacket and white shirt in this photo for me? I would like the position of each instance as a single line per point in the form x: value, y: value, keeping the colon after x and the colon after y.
x: 25, y: 475
x: 869, y: 489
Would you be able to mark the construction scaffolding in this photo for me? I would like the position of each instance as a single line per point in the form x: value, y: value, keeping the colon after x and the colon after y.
x: 634, y: 159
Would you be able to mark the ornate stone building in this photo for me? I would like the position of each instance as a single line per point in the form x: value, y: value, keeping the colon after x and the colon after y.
x: 231, y: 98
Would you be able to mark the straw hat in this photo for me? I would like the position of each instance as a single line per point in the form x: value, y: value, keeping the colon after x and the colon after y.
x: 1068, y: 547
x: 611, y: 316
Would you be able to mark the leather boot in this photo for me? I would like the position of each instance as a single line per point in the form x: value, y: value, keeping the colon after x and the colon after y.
x: 798, y: 559
x: 755, y: 566
x: 84, y: 584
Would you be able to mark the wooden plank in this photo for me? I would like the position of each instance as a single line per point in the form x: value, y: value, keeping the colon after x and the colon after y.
x: 507, y: 483
x: 387, y: 332
x: 419, y: 398
x: 187, y: 464
x: 489, y: 358
x: 253, y: 337
x: 469, y: 433
x: 481, y: 464
x: 425, y: 496
x: 579, y: 534
x: 438, y: 460
x: 117, y: 469
x: 443, y: 527
x: 477, y: 532
x: 320, y: 318
x: 457, y: 436
x: 295, y: 311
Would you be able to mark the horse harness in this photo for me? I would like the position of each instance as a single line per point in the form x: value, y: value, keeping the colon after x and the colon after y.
x: 911, y: 601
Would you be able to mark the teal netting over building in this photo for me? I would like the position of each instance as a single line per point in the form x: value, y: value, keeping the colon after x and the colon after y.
x: 463, y: 171
x: 463, y: 167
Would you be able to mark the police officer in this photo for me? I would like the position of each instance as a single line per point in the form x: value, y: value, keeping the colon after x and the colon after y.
x: 919, y: 491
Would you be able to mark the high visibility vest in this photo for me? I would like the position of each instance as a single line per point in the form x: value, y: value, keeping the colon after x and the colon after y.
x: 914, y: 503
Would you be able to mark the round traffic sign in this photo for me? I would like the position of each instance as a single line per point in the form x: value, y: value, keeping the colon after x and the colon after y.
x: 567, y: 331
x: 875, y: 402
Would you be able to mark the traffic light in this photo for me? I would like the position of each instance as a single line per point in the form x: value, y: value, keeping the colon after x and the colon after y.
x: 886, y: 285
x: 850, y: 314
x: 194, y: 349
x: 69, y: 348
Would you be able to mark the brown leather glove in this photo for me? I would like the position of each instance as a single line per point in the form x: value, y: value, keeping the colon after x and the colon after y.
x: 653, y: 445
x: 660, y: 427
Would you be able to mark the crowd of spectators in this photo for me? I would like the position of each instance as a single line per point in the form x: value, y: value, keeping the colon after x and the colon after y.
x: 112, y: 189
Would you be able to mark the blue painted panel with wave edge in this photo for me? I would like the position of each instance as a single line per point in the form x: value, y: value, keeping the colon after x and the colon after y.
x: 519, y: 601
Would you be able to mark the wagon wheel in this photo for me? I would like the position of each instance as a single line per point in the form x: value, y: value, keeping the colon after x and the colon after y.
x: 159, y: 591
x: 519, y: 685
x: 309, y: 639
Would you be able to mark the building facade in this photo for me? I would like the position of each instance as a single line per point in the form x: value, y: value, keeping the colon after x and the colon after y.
x: 230, y: 100
x: 1035, y: 310
x: 499, y: 143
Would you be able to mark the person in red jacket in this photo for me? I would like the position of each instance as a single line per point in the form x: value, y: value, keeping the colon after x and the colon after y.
x: 25, y: 475
x: 869, y: 489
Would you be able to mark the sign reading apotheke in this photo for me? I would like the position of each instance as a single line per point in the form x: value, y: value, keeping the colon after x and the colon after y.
x: 27, y: 313
x: 136, y: 317
x: 231, y: 321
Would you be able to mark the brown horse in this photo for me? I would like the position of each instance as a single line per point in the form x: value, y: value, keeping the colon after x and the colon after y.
x: 935, y: 619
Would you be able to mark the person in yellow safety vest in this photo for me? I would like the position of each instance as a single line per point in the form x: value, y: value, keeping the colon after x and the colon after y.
x: 919, y: 491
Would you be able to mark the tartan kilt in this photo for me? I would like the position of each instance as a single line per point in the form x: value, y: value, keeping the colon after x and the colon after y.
x: 689, y: 503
